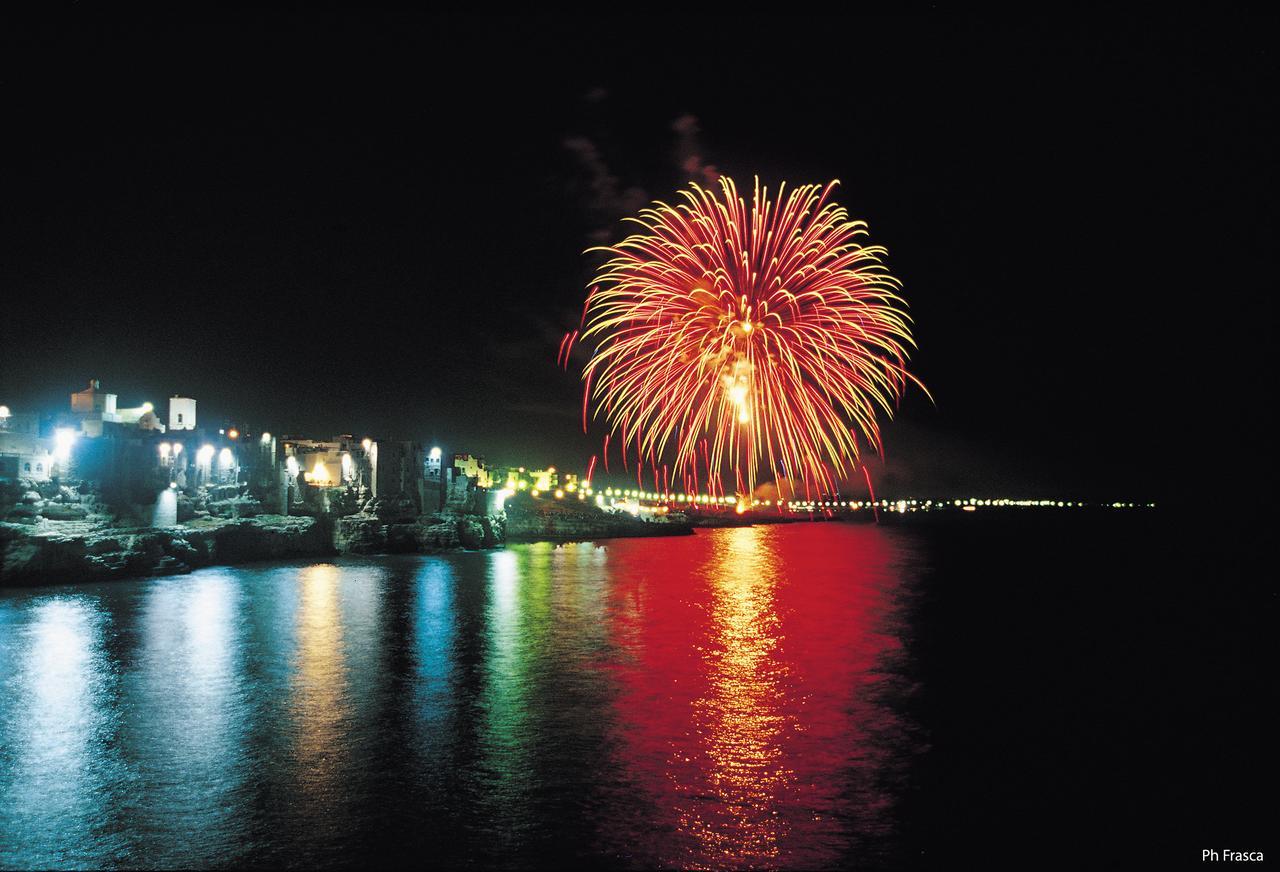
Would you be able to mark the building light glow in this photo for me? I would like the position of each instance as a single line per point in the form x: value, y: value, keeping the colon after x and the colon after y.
x: 63, y: 439
x: 319, y: 474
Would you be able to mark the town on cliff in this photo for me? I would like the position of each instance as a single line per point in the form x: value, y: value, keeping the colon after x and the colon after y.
x: 97, y: 491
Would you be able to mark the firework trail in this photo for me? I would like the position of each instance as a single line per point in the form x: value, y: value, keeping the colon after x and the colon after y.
x: 745, y: 338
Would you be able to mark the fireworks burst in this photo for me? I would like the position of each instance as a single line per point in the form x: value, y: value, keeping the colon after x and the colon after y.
x: 734, y: 340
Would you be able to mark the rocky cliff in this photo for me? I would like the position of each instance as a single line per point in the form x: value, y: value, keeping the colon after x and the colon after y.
x: 367, y: 533
x: 43, y: 547
x: 53, y: 554
x: 541, y: 521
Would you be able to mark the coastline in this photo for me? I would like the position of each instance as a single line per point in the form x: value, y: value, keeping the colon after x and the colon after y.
x: 58, y: 554
x: 73, y: 552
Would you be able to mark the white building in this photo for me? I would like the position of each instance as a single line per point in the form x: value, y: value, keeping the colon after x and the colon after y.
x: 182, y: 413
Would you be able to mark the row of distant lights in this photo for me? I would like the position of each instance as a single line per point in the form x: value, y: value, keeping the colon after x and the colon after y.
x: 812, y: 505
x: 614, y: 494
x: 890, y: 505
x: 967, y: 505
x: 704, y: 499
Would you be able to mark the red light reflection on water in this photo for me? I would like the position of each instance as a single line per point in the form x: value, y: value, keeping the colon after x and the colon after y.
x: 747, y: 720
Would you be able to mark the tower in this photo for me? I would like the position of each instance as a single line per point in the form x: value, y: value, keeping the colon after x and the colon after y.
x: 182, y: 413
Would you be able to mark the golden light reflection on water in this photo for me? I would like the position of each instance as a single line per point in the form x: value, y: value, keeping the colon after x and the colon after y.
x: 738, y: 725
x: 320, y: 693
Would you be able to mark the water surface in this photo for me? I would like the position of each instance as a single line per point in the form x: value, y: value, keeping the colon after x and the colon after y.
x: 743, y: 698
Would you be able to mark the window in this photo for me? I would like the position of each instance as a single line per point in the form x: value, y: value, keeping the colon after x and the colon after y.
x: 39, y: 467
x: 26, y: 467
x: 179, y: 417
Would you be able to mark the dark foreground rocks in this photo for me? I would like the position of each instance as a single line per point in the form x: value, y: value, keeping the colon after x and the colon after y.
x: 46, y: 556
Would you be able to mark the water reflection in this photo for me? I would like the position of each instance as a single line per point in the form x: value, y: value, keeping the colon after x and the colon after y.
x: 187, y: 680
x: 507, y: 663
x: 320, y: 698
x: 754, y: 683
x: 434, y: 644
x: 708, y: 701
x: 504, y: 734
x: 55, y: 757
x: 738, y: 723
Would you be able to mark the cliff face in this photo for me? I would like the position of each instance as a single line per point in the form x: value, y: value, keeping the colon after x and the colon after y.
x: 543, y: 521
x: 366, y: 533
x: 41, y: 552
x: 28, y: 557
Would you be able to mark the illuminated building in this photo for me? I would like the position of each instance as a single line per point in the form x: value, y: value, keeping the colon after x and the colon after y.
x: 92, y: 407
x: 473, y: 466
x: 321, y: 461
x: 544, y: 479
x: 182, y: 413
x: 519, y: 478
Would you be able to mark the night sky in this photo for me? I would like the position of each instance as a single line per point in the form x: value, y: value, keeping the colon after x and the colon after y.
x: 323, y: 224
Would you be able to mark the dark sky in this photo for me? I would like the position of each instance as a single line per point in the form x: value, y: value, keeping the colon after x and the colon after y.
x: 319, y: 224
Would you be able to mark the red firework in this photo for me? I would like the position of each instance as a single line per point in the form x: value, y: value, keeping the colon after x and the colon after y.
x: 742, y: 339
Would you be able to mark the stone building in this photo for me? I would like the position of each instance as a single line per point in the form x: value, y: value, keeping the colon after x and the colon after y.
x: 398, y: 471
x: 24, y: 454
